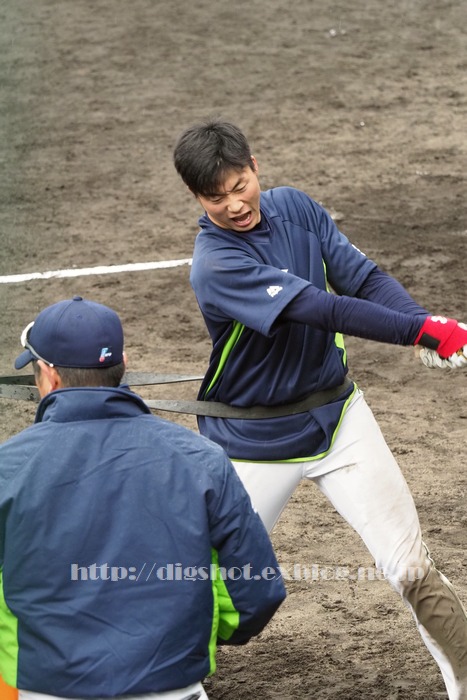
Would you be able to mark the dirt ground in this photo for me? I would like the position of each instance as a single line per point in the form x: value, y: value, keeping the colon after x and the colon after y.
x: 361, y: 104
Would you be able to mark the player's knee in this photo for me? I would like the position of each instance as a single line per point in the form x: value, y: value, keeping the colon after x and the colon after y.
x: 407, y: 573
x: 408, y: 577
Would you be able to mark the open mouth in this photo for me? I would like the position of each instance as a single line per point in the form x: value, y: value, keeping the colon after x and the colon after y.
x: 243, y: 220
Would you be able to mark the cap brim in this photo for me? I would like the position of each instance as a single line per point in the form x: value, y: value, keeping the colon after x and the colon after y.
x: 24, y: 359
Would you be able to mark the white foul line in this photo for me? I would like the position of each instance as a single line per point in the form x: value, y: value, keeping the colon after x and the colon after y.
x: 101, y: 270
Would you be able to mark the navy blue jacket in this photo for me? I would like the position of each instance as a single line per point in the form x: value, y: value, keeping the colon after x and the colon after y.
x: 128, y: 548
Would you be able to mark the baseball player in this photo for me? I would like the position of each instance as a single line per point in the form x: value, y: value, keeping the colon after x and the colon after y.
x: 278, y: 284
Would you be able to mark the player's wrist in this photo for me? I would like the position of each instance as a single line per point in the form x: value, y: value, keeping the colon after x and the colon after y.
x: 445, y: 335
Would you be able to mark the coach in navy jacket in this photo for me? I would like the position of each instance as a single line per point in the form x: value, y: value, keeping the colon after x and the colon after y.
x: 128, y: 545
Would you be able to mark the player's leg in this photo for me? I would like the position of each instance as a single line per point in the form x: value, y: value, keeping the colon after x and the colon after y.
x: 366, y: 486
x: 269, y: 485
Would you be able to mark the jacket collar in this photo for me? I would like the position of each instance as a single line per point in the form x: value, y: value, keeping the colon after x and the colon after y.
x: 90, y: 403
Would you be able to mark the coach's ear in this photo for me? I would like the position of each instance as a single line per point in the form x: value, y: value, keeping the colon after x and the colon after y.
x: 47, y: 379
x: 125, y: 359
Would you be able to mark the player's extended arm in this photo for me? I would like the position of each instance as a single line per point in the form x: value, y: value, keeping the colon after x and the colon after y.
x: 385, y: 290
x: 367, y: 319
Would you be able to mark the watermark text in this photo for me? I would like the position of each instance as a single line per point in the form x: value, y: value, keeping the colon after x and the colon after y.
x: 288, y: 572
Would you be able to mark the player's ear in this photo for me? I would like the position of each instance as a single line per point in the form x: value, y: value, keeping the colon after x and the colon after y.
x: 255, y: 164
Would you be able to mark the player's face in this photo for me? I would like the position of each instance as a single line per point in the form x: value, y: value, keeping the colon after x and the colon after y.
x: 236, y: 205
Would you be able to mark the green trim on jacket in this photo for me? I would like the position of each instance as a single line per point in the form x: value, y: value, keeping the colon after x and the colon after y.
x: 9, y: 637
x: 237, y: 330
x: 226, y: 618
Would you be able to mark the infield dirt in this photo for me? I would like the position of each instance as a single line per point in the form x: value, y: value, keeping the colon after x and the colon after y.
x: 364, y: 106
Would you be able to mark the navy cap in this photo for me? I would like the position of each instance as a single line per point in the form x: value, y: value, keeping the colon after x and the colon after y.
x: 74, y: 333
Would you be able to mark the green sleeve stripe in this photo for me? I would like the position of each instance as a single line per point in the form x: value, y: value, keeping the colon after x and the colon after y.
x: 237, y: 330
x: 226, y: 618
x: 9, y: 637
x: 215, y: 619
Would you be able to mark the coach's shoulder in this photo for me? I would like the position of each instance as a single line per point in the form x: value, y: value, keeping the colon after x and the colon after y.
x: 19, y: 449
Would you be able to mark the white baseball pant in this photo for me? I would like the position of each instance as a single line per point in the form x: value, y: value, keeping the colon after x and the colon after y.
x: 364, y: 483
x: 192, y: 692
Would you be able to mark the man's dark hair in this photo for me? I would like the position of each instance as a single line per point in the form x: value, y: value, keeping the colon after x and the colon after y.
x: 79, y: 377
x: 207, y: 151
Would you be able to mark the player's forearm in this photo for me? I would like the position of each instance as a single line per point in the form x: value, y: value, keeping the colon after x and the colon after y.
x: 352, y: 316
x: 382, y: 289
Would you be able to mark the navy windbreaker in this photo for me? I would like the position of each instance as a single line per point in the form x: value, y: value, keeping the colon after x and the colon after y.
x: 128, y: 547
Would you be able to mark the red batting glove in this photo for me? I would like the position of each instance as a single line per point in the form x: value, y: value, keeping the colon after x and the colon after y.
x: 444, y: 335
